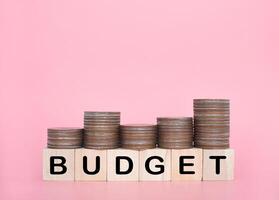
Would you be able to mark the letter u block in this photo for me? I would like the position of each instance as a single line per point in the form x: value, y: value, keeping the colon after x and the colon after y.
x: 155, y: 165
x: 122, y: 165
x: 59, y: 164
x: 218, y: 164
x: 90, y: 165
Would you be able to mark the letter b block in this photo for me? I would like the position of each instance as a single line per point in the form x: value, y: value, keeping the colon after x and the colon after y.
x: 155, y: 165
x: 58, y: 164
x: 218, y: 164
x: 122, y: 165
x: 90, y: 165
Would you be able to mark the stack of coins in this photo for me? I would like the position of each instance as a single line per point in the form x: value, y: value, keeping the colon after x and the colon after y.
x: 101, y: 130
x: 64, y: 138
x: 212, y: 123
x: 175, y: 132
x: 138, y: 136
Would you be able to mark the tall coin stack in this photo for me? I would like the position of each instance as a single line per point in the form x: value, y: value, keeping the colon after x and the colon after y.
x: 101, y: 130
x: 212, y: 123
x: 175, y: 132
x: 138, y: 136
x: 64, y: 138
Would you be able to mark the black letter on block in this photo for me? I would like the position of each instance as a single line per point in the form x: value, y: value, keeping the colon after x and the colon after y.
x: 182, y: 164
x: 218, y: 158
x: 130, y: 162
x: 61, y: 164
x: 161, y: 167
x: 97, y: 166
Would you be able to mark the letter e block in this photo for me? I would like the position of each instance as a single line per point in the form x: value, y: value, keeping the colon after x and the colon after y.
x: 218, y: 164
x: 155, y: 165
x: 90, y: 165
x: 59, y: 164
x: 186, y: 164
x: 122, y: 165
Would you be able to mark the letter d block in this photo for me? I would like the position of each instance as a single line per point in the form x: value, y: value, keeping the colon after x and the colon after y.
x: 122, y: 165
x: 155, y: 165
x: 218, y: 164
x: 90, y: 165
x: 186, y: 164
x: 59, y: 164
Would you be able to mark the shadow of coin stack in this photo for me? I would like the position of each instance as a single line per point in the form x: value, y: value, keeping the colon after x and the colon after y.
x: 175, y: 132
x: 101, y: 130
x: 138, y: 136
x: 64, y: 138
x: 212, y: 123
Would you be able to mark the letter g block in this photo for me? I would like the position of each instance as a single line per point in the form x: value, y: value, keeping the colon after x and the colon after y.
x: 155, y: 165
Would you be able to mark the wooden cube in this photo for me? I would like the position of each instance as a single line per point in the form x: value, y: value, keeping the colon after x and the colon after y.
x: 186, y: 164
x: 155, y: 165
x: 122, y: 165
x: 218, y: 164
x: 90, y: 165
x: 59, y: 164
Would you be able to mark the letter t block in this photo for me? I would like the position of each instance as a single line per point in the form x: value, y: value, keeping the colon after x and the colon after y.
x: 218, y: 164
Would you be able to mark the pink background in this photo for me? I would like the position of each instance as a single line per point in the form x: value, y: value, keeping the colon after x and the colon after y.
x: 145, y: 58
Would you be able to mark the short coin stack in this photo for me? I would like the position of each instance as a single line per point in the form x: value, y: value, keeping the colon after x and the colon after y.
x: 212, y: 123
x: 64, y: 138
x: 138, y: 136
x: 101, y: 130
x: 175, y: 132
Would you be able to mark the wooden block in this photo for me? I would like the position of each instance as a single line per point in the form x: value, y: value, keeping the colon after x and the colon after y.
x: 218, y: 164
x: 186, y: 164
x: 90, y: 165
x: 155, y: 165
x: 59, y: 164
x: 122, y: 165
